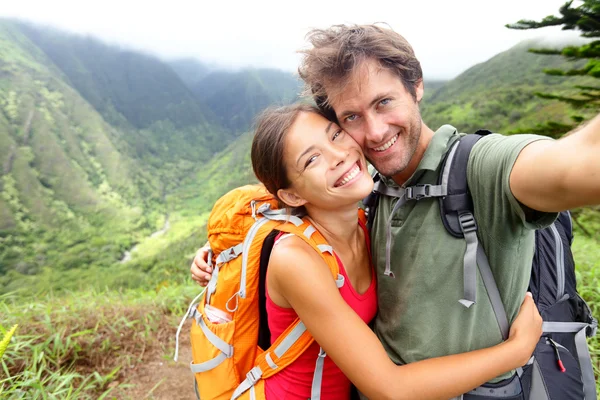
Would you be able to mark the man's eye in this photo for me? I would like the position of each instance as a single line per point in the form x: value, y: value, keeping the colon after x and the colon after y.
x: 385, y: 102
x: 351, y: 118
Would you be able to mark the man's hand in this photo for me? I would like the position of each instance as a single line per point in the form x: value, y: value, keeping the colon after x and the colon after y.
x: 200, y: 270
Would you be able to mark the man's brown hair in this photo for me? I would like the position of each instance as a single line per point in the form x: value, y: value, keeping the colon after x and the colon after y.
x: 337, y: 51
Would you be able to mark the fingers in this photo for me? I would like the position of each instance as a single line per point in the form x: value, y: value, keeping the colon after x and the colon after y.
x: 199, y: 268
x: 199, y: 276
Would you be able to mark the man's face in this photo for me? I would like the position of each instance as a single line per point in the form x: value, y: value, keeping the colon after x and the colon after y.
x: 381, y: 115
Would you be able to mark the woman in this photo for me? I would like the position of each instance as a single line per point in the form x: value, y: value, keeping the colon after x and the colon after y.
x: 307, y: 161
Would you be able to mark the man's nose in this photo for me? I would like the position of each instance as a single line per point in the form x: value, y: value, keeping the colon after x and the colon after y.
x: 375, y: 129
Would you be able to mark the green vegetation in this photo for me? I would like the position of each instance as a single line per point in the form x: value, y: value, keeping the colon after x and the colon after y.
x: 6, y: 339
x: 83, y: 344
x: 585, y: 97
x: 500, y: 94
x: 237, y: 97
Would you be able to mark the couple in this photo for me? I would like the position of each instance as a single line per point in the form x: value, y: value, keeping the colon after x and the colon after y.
x: 368, y: 85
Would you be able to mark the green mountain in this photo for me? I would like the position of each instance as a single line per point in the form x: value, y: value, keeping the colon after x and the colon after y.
x: 190, y: 70
x: 137, y: 93
x: 499, y: 93
x: 236, y: 97
x: 71, y: 194
x: 101, y: 146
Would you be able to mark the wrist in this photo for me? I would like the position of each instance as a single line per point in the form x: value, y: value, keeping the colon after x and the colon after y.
x: 518, y: 350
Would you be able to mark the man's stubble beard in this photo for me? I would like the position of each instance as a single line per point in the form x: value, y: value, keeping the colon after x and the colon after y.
x: 408, y: 153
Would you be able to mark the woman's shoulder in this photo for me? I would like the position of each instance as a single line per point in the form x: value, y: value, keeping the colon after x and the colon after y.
x: 294, y: 260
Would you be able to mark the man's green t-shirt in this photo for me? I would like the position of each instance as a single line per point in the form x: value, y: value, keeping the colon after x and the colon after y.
x: 419, y: 313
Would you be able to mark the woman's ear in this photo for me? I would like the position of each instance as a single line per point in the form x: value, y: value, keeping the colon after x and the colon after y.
x: 290, y: 198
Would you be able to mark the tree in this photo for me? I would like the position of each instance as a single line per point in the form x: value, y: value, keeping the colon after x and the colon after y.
x: 586, y: 19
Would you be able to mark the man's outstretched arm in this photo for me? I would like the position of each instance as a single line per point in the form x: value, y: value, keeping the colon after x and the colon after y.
x: 552, y: 176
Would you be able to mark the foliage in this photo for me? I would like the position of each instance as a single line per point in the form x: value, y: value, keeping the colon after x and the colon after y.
x: 583, y: 18
x: 6, y: 339
x: 80, y: 345
x: 587, y: 257
x: 512, y: 77
x: 237, y: 97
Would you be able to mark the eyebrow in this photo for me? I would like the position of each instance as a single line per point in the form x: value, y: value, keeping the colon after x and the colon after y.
x: 376, y: 100
x: 311, y: 148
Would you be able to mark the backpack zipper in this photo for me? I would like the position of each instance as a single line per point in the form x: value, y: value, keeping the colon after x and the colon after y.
x: 555, y: 346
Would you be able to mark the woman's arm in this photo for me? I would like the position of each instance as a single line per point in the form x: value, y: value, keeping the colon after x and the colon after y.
x: 307, y: 285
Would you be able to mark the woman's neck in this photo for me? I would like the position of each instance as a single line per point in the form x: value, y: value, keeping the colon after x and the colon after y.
x: 339, y: 226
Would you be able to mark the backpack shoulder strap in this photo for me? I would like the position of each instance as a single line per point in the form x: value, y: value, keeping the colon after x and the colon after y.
x: 295, y: 339
x: 454, y: 176
x: 456, y: 210
x: 370, y: 202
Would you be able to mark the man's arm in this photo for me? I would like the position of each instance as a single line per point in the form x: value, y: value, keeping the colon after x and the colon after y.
x: 552, y: 176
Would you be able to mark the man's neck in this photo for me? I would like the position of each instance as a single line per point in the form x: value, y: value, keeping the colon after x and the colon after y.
x: 424, y: 140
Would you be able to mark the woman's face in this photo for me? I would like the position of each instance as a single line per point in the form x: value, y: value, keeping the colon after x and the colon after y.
x: 325, y: 166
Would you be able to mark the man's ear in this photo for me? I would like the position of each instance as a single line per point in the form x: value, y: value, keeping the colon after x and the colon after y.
x: 419, y: 90
x: 290, y: 198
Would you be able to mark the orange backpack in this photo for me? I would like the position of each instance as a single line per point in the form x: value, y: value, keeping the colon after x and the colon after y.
x: 228, y: 362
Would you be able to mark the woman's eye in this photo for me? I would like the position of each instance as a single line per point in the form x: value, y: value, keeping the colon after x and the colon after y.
x: 310, y: 160
x: 336, y: 135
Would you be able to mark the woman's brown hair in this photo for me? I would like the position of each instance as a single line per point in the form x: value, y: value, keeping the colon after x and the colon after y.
x: 267, y: 152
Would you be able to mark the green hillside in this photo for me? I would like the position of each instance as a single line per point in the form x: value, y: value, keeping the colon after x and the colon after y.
x: 190, y: 70
x: 499, y: 93
x: 236, y: 97
x: 92, y: 140
x: 137, y: 93
x: 70, y: 194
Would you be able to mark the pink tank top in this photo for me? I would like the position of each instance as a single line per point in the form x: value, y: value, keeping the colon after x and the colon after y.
x: 295, y: 381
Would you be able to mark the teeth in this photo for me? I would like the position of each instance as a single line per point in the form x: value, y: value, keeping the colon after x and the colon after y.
x: 349, y: 176
x: 388, y: 144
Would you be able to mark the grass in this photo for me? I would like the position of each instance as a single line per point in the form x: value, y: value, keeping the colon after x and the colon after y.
x: 80, y: 345
x: 587, y: 256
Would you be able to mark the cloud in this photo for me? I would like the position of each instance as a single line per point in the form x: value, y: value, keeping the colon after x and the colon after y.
x: 448, y: 36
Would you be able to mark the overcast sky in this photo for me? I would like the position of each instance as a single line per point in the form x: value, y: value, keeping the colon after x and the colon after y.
x: 449, y: 36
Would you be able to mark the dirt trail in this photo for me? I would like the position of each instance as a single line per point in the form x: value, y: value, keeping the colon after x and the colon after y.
x: 161, y: 378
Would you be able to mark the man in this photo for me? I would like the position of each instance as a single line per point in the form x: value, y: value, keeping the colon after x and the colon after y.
x: 368, y: 79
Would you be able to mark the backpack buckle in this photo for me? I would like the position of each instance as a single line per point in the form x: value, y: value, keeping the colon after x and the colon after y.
x: 592, y: 328
x: 467, y: 222
x: 418, y: 192
x: 254, y: 375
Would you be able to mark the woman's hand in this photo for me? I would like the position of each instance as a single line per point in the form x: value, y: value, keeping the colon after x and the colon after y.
x: 200, y: 270
x: 526, y: 328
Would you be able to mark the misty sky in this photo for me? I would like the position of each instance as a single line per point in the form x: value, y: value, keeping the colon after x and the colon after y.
x: 449, y: 36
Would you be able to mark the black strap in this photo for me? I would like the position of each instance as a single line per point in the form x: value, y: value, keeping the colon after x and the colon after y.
x: 370, y: 203
x: 458, y: 200
x: 264, y: 334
